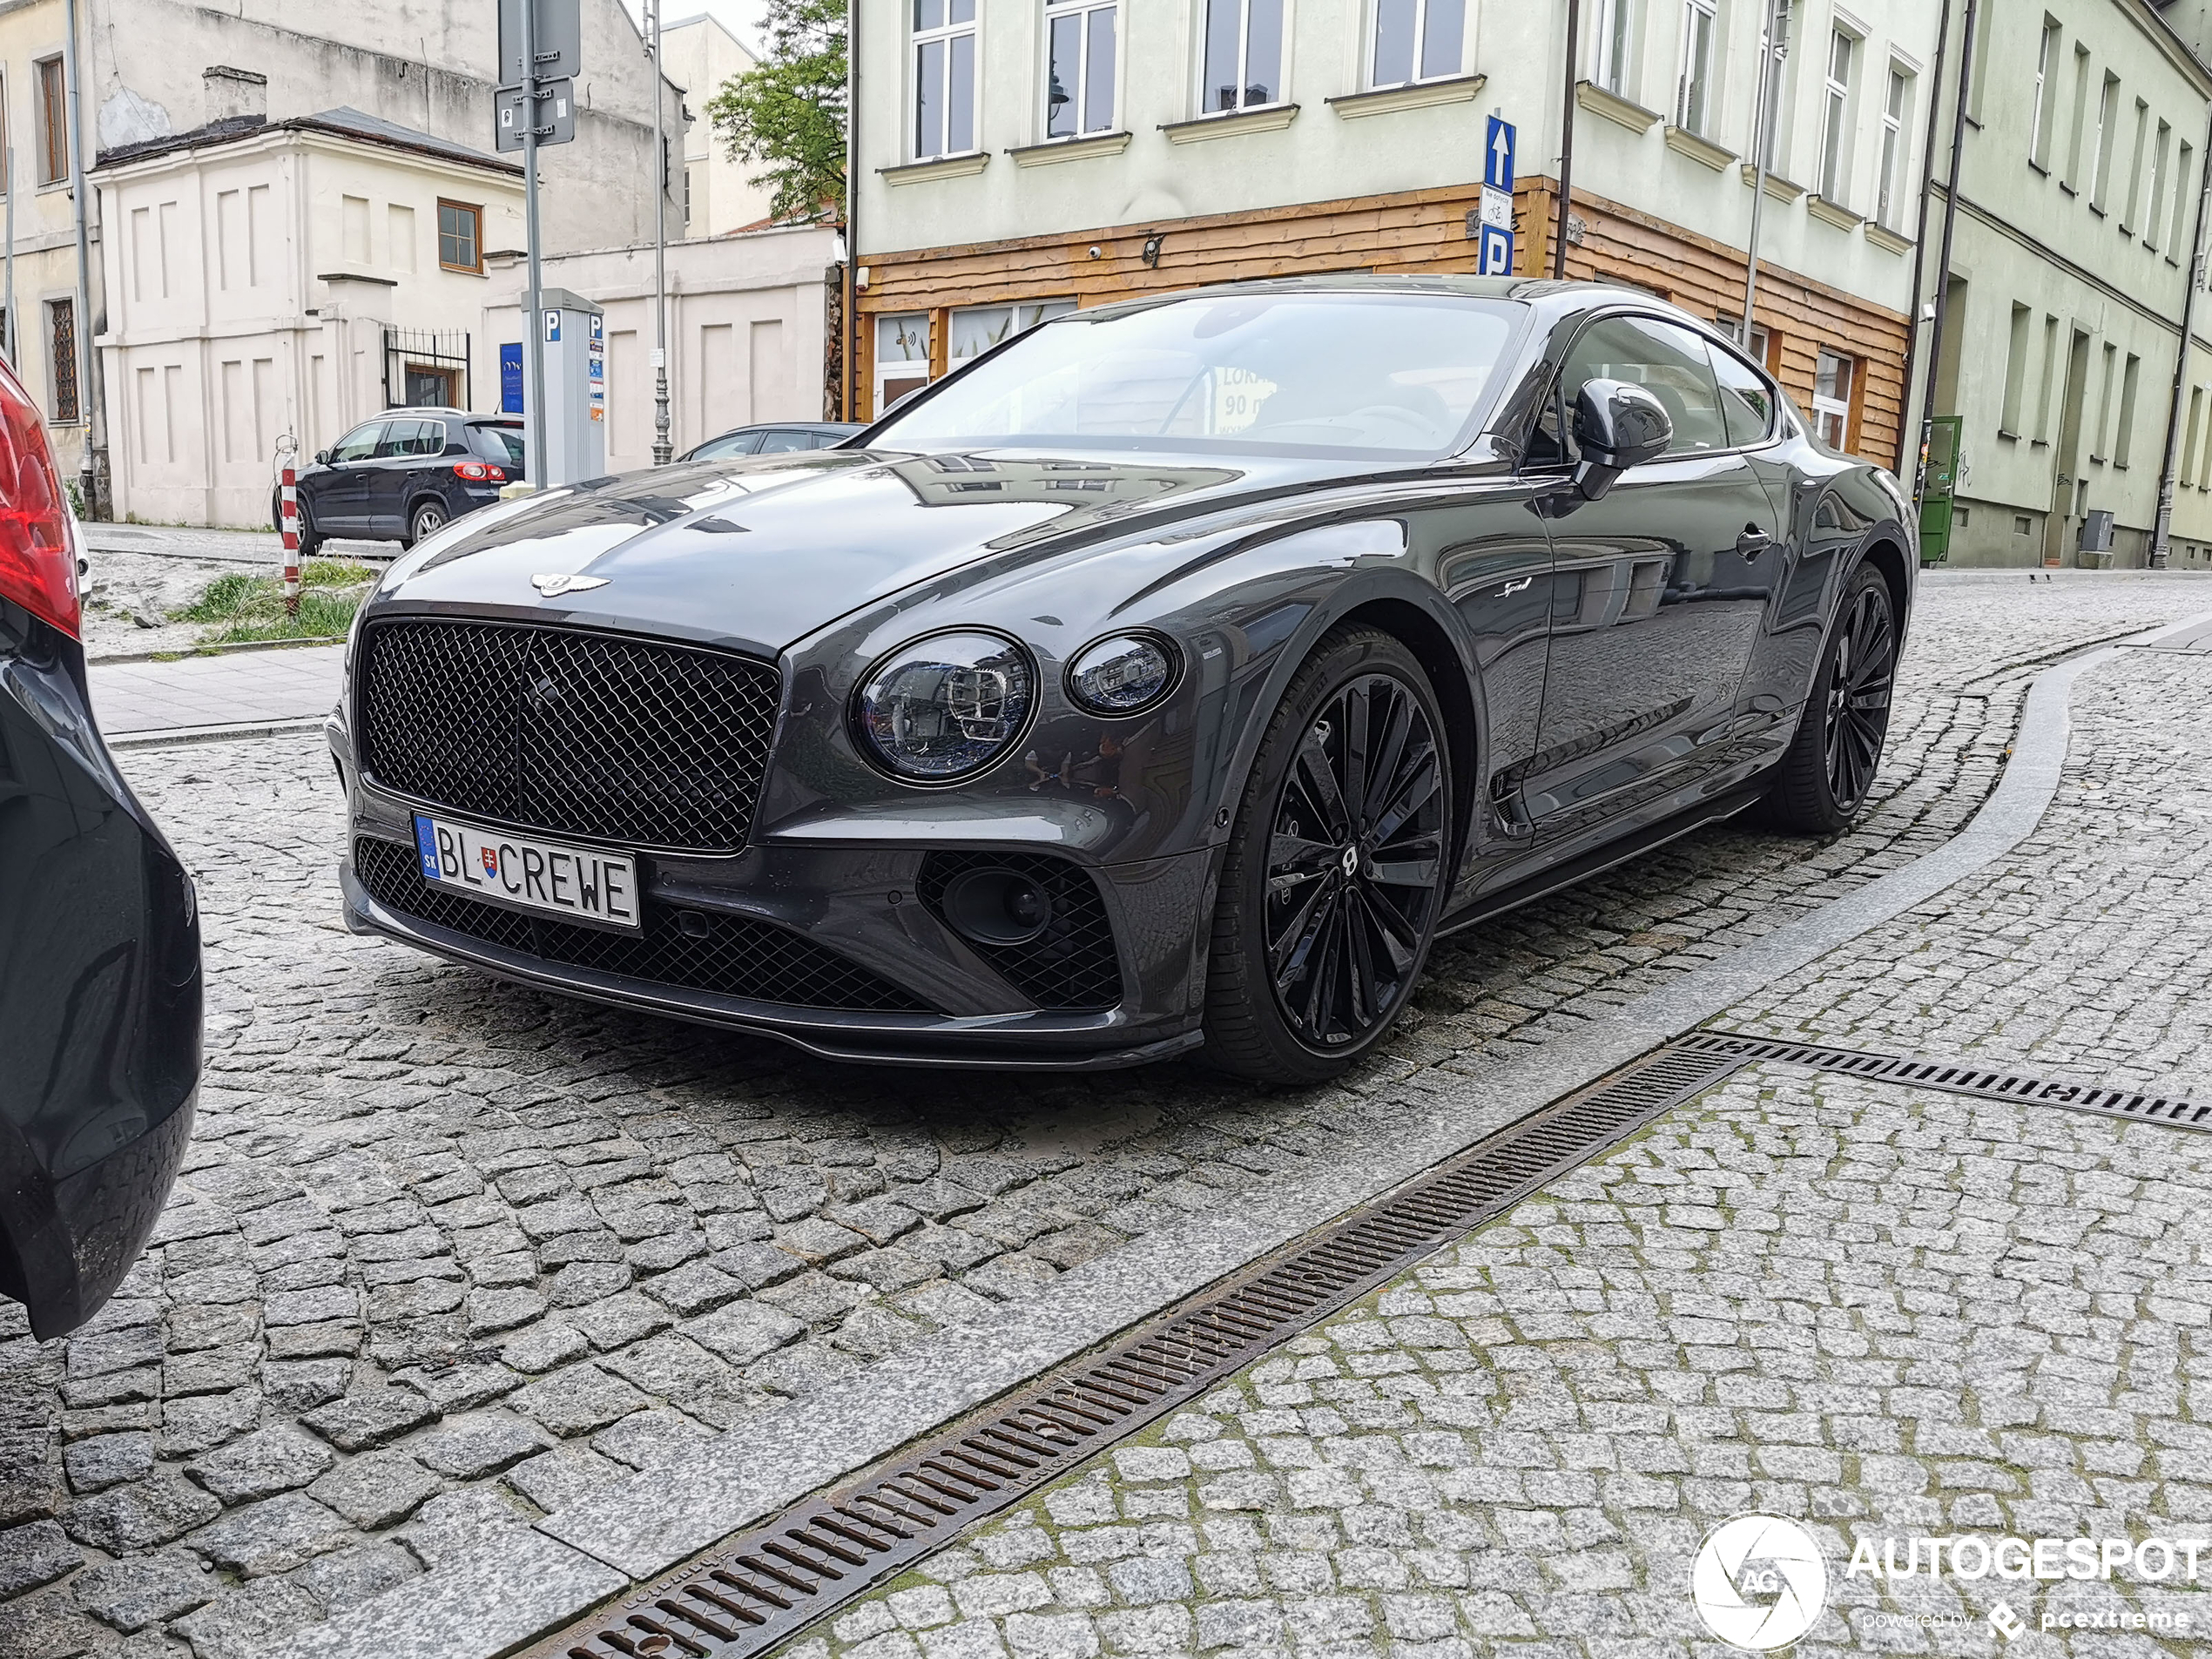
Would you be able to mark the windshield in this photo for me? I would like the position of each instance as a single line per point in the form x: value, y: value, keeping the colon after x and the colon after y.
x: 1381, y: 375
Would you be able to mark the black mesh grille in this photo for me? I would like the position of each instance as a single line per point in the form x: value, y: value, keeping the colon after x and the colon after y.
x: 1071, y: 967
x: 575, y: 733
x: 734, y: 958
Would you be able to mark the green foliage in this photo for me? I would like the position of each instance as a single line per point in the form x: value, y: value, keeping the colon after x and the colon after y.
x: 787, y: 112
x: 242, y: 607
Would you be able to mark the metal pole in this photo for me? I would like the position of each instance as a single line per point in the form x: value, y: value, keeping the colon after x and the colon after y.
x: 13, y: 330
x: 1950, y: 225
x: 849, y: 390
x: 1771, y: 46
x: 87, y: 404
x: 663, y: 451
x: 1566, y: 139
x: 536, y: 461
x: 2159, y: 549
x: 1920, y: 243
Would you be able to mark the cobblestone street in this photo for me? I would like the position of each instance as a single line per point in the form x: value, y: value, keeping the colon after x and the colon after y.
x: 449, y: 1256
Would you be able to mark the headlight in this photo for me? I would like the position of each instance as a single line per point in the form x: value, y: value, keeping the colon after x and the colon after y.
x: 1121, y: 674
x: 946, y: 706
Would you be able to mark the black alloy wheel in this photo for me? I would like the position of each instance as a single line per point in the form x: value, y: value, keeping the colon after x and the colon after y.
x: 428, y: 519
x: 1339, y: 866
x: 1824, y: 778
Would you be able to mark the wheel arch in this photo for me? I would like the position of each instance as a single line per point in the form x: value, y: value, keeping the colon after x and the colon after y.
x: 1449, y: 677
x: 1885, y: 556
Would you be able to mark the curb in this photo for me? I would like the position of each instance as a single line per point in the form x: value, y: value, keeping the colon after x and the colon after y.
x: 171, y: 737
x: 508, y: 1593
x: 225, y: 649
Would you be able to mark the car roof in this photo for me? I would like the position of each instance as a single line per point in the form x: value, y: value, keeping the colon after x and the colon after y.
x: 1545, y: 292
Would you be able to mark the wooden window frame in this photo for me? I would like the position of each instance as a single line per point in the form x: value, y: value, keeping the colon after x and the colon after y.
x: 476, y: 212
x: 53, y: 133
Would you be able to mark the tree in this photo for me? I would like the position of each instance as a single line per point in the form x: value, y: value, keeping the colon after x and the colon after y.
x: 787, y: 112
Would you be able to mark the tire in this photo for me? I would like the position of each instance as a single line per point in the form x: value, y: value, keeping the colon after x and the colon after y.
x: 1317, y: 945
x: 424, y: 518
x: 1821, y: 783
x: 310, y: 543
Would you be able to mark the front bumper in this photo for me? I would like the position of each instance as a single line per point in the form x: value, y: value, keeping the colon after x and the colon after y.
x: 866, y: 912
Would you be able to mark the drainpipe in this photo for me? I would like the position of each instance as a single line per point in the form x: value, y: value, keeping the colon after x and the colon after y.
x: 1920, y: 246
x: 88, y: 402
x: 2159, y: 549
x: 1950, y: 227
x: 1771, y: 48
x: 663, y: 451
x: 848, y: 366
x: 1566, y: 139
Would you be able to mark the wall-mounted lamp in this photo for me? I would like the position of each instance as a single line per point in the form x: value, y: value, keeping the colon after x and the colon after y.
x: 1152, y: 248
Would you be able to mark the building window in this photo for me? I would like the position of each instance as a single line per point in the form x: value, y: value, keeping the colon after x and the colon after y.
x: 1694, y: 98
x: 2100, y: 142
x: 1613, y: 45
x: 1834, y: 121
x: 944, y: 60
x: 2154, y: 202
x: 2080, y: 116
x: 1244, y: 65
x: 2128, y: 216
x: 1417, y: 40
x: 2043, y: 406
x: 2046, y: 88
x: 53, y: 122
x: 1759, y: 348
x: 1897, y: 130
x: 61, y: 336
x: 2182, y: 158
x: 460, y: 237
x: 2008, y: 415
x: 1831, y: 388
x: 973, y: 330
x: 688, y: 171
x: 901, y: 357
x: 2124, y: 441
x: 1079, y: 67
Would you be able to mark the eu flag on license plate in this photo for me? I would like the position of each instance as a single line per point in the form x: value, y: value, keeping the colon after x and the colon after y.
x: 426, y: 843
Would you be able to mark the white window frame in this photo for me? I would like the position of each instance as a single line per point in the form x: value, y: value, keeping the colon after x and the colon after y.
x: 1836, y: 130
x: 1244, y: 58
x: 883, y: 368
x: 937, y: 146
x: 1896, y: 133
x: 1613, y: 47
x: 2100, y: 178
x: 2039, y: 131
x: 1421, y: 9
x: 2154, y: 202
x: 1825, y: 410
x: 1053, y: 9
x: 1693, y: 74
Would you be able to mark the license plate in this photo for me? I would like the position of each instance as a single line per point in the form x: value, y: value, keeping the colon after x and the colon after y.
x: 575, y: 883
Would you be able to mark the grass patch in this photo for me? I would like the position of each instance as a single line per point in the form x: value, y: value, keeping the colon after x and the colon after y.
x: 240, y: 607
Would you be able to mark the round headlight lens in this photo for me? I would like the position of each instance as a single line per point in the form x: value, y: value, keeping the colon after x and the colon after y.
x: 946, y: 706
x: 1120, y: 673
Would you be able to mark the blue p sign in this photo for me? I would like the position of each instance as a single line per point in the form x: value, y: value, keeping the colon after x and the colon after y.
x: 1494, y: 253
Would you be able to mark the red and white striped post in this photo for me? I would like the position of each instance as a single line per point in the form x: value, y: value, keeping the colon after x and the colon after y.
x: 289, y: 510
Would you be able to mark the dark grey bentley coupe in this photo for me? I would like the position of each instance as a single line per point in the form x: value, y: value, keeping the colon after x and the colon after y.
x: 1169, y: 679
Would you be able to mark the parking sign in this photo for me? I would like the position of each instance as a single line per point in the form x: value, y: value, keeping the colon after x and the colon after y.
x: 1494, y: 252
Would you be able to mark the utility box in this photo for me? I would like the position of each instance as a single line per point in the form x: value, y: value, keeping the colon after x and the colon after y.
x: 2096, y: 531
x: 574, y: 331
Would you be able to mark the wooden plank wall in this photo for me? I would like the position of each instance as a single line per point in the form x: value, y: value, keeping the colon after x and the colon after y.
x: 1418, y: 230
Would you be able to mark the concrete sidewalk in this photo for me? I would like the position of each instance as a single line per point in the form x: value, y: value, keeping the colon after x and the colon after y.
x: 245, y: 691
x: 180, y: 542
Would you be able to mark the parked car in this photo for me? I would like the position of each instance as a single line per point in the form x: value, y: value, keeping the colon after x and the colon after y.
x: 784, y: 439
x: 405, y: 473
x: 99, y: 938
x: 1169, y: 677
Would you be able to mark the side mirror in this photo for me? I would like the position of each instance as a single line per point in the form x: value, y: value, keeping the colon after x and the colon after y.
x: 323, y: 457
x: 1618, y: 425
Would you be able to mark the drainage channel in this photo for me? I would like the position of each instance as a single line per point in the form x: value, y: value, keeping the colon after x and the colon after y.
x: 750, y: 1593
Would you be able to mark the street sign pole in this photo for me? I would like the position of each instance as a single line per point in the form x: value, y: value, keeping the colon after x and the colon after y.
x: 663, y: 451
x: 534, y: 394
x: 1494, y: 244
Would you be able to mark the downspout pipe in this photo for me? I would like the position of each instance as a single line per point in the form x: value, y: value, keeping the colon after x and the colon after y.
x: 849, y: 368
x: 2161, y: 547
x: 1904, y: 450
x: 1566, y: 139
x: 1773, y: 49
x: 88, y: 402
x: 1950, y: 231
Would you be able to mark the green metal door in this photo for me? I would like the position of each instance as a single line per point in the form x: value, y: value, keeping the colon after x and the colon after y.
x: 1939, y: 478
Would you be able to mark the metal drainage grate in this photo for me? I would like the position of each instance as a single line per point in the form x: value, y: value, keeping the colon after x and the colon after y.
x: 1955, y: 1077
x: 768, y: 1583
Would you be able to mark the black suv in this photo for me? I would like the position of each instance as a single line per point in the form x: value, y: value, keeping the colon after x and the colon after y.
x: 403, y: 474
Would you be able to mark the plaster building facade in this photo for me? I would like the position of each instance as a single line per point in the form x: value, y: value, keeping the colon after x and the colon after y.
x: 718, y: 194
x: 1013, y: 157
x: 748, y: 321
x: 2079, y: 212
x: 287, y: 277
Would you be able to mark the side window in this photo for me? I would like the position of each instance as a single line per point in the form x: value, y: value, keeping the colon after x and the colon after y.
x: 1670, y: 363
x: 1747, y: 402
x: 788, y: 442
x: 360, y: 443
x: 411, y: 438
x: 737, y: 444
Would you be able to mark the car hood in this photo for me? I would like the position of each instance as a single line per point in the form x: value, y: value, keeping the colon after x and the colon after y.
x: 755, y: 554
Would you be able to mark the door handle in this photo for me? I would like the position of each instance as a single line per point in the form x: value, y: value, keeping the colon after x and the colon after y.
x: 1754, y: 540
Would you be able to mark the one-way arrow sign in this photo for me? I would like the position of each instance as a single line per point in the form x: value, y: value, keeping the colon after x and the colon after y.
x: 1497, y: 155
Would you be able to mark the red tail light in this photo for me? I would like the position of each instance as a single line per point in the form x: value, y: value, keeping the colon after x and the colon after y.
x: 37, y: 553
x: 480, y: 471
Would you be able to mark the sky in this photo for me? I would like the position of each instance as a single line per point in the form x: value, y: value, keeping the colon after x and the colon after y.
x: 740, y: 17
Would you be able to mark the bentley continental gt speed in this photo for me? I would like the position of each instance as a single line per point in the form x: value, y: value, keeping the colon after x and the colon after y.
x: 1169, y: 679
